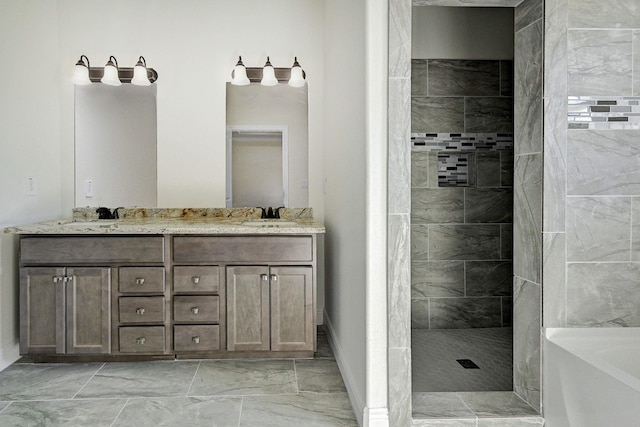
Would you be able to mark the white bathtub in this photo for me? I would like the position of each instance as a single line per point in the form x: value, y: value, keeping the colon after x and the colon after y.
x: 591, y: 377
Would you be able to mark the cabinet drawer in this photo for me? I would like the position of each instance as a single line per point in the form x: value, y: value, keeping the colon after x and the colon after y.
x: 196, y: 308
x: 196, y: 337
x: 91, y: 249
x: 141, y: 309
x: 242, y: 248
x: 196, y: 279
x: 144, y: 339
x: 141, y: 279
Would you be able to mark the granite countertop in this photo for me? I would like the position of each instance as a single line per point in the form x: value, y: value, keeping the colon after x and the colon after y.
x: 177, y: 221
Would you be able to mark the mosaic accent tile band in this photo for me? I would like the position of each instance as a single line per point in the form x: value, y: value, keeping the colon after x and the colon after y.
x: 461, y: 141
x: 604, y: 113
x: 453, y: 169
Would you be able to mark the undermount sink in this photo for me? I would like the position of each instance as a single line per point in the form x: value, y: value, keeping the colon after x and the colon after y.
x: 98, y: 223
x: 270, y: 223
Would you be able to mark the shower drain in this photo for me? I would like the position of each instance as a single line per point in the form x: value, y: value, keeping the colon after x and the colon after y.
x: 467, y: 364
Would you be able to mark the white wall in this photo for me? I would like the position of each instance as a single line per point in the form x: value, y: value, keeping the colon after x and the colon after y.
x: 462, y: 32
x: 345, y: 214
x: 29, y: 142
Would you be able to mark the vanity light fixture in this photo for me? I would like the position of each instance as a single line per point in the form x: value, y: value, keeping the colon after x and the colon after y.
x: 112, y: 74
x: 239, y: 74
x: 268, y: 75
x: 140, y: 77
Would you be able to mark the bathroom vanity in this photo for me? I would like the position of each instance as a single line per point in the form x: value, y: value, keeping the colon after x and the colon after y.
x: 166, y: 288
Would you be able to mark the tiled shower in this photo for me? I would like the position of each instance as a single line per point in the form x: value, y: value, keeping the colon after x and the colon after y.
x: 461, y: 193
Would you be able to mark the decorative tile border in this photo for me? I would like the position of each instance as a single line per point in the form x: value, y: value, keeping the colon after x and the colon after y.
x: 604, y: 113
x: 453, y: 169
x: 461, y: 141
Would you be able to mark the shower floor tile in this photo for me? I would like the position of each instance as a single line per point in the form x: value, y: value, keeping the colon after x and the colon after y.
x: 435, y: 369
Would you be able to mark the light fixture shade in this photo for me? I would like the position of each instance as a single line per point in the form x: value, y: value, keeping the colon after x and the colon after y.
x: 81, y: 72
x: 239, y: 74
x: 297, y: 76
x: 110, y: 76
x: 140, y: 77
x: 268, y: 75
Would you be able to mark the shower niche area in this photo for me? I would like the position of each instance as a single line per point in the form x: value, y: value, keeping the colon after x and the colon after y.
x: 462, y: 162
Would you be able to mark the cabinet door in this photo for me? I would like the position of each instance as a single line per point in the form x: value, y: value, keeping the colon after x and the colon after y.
x: 247, y: 308
x: 292, y: 322
x: 88, y: 310
x: 42, y: 314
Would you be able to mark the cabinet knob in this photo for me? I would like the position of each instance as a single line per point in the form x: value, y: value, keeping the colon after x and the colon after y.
x: 264, y: 277
x: 139, y: 281
x: 140, y: 340
x: 196, y: 340
x: 195, y: 310
x: 139, y: 311
x: 195, y: 280
x: 57, y: 279
x: 274, y: 278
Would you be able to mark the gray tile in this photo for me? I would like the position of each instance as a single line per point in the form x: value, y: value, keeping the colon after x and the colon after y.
x: 488, y: 169
x: 461, y: 313
x: 419, y: 77
x: 186, y: 411
x: 420, y: 314
x: 506, y: 168
x: 555, y: 164
x: 496, y: 403
x: 488, y: 114
x: 319, y: 376
x: 399, y: 279
x: 324, y: 349
x: 23, y: 381
x: 399, y: 386
x: 507, y: 311
x: 527, y: 214
x: 419, y: 242
x: 554, y: 279
x: 141, y: 379
x: 399, y: 191
x: 488, y: 205
x: 506, y: 78
x: 598, y: 228
x: 506, y: 241
x: 602, y: 162
x: 528, y: 90
x: 310, y: 409
x: 463, y: 78
x: 511, y: 422
x: 600, y: 62
x: 526, y: 341
x: 603, y: 294
x: 444, y: 422
x: 433, y: 114
x: 589, y: 13
x: 70, y: 413
x: 4, y: 405
x: 420, y: 169
x: 464, y: 242
x: 636, y: 63
x: 400, y: 38
x: 555, y: 49
x: 635, y: 229
x: 488, y: 278
x: 437, y: 205
x: 244, y: 378
x: 437, y: 279
x: 439, y: 405
x: 527, y: 13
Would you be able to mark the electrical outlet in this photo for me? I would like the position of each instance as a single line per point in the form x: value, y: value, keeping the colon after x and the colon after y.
x: 30, y: 186
x: 88, y: 188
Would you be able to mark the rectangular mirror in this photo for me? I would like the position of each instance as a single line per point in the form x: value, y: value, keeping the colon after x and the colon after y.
x: 115, y: 145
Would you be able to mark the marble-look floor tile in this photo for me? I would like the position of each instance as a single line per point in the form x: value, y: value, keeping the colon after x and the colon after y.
x: 244, y: 378
x: 319, y: 376
x: 141, y: 379
x: 511, y: 422
x: 23, y: 381
x: 68, y: 413
x: 4, y: 405
x: 496, y: 403
x: 444, y: 422
x: 439, y: 405
x: 308, y: 409
x: 186, y: 411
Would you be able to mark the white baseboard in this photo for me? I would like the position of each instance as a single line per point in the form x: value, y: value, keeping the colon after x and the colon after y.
x: 376, y: 417
x: 357, y: 400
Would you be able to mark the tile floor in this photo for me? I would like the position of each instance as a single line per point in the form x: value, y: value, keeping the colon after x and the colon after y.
x: 238, y: 393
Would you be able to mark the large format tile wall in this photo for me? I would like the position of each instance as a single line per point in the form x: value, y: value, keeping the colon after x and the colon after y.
x: 592, y: 179
x: 461, y: 234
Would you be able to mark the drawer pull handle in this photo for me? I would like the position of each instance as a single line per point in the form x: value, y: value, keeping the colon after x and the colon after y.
x: 195, y: 310
x: 57, y: 279
x: 196, y: 340
x: 140, y: 340
x: 139, y: 281
x: 274, y: 278
x: 264, y: 277
x: 140, y: 311
x: 195, y: 280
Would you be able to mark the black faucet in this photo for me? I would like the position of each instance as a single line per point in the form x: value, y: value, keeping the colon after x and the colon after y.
x: 270, y: 212
x: 105, y: 213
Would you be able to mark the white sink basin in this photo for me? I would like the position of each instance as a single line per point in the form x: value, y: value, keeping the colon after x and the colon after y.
x: 270, y: 223
x: 98, y: 223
